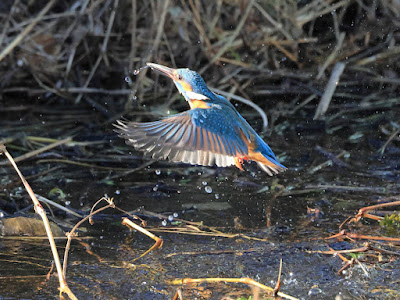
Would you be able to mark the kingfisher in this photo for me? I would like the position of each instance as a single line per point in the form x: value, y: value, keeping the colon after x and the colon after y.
x: 212, y: 132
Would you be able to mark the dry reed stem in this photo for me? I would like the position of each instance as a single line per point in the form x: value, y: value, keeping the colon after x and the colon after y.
x: 231, y: 38
x: 278, y: 282
x: 102, y: 55
x: 42, y: 213
x: 317, y: 9
x: 200, y: 28
x: 28, y: 29
x: 40, y: 150
x: 49, y: 202
x: 245, y: 280
x: 329, y: 90
x: 278, y: 26
x: 158, y: 242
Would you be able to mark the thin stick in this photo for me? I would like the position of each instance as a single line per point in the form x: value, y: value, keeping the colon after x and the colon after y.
x: 21, y: 36
x: 39, y: 210
x: 278, y: 283
x: 48, y: 201
x: 362, y: 211
x: 40, y: 150
x: 71, y: 233
x: 157, y: 245
x: 392, y: 136
x: 329, y: 90
x: 245, y: 280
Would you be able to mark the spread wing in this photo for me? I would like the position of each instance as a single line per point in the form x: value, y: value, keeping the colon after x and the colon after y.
x: 198, y: 136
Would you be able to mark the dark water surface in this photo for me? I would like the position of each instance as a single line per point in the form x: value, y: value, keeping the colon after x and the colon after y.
x: 232, y: 202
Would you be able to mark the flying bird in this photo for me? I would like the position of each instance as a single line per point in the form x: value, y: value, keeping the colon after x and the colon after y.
x: 212, y: 132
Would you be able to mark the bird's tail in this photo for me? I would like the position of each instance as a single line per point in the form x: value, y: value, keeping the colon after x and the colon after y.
x: 271, y: 168
x: 266, y: 159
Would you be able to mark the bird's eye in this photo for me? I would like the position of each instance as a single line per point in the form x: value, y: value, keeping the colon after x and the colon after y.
x: 179, y: 77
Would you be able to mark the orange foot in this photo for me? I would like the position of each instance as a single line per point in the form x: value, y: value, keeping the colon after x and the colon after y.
x: 239, y: 162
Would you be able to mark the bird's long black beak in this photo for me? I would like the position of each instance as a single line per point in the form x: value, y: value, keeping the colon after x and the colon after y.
x: 163, y: 70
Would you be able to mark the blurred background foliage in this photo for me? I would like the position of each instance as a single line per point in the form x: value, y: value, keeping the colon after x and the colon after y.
x: 81, y: 51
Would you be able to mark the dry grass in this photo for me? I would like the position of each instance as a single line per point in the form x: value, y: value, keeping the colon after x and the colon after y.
x: 75, y: 49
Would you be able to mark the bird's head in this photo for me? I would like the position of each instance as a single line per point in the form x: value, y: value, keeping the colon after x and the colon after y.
x: 190, y: 84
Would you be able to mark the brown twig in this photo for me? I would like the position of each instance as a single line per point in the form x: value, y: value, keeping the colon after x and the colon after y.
x: 88, y: 217
x: 245, y: 280
x: 362, y: 212
x: 350, y: 235
x: 157, y: 245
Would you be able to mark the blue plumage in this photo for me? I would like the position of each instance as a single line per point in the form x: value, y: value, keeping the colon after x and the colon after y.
x: 212, y: 132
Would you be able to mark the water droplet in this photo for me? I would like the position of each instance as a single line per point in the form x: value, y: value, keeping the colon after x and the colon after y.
x: 134, y: 98
x: 208, y: 189
x: 175, y: 215
x: 170, y: 218
x: 136, y: 72
x: 127, y: 79
x: 164, y: 223
x: 158, y: 172
x: 216, y: 196
x: 67, y: 203
x: 204, y: 182
x: 118, y: 192
x: 155, y: 188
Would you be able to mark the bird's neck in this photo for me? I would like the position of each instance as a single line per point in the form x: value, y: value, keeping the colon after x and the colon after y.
x: 198, y: 104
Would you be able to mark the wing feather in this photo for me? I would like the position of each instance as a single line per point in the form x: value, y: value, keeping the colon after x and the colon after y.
x: 191, y: 137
